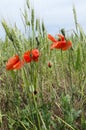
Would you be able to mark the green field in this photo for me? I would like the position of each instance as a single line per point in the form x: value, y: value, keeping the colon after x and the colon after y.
x: 49, y: 94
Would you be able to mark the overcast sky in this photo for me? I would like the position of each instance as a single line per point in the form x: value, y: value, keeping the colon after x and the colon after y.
x: 56, y: 14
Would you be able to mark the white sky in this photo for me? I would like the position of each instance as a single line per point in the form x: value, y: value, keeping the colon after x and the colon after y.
x: 56, y: 14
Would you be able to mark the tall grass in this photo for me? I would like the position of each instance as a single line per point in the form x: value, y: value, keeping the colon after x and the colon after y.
x: 39, y: 97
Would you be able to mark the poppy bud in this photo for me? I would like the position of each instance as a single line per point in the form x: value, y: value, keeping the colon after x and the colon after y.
x: 35, y: 92
x: 49, y: 65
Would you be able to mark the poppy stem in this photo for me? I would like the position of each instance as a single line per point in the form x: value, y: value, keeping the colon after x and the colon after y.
x: 63, y: 71
x: 69, y: 65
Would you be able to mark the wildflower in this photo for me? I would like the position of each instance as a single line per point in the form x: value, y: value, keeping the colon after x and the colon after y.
x: 35, y: 54
x: 32, y: 55
x: 27, y: 56
x: 61, y: 43
x: 14, y: 63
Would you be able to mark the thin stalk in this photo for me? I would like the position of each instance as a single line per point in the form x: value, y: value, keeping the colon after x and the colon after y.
x: 69, y: 65
x: 23, y: 125
x: 39, y: 127
x: 68, y: 125
x: 42, y: 121
x: 56, y: 73
x: 31, y: 123
x: 63, y: 71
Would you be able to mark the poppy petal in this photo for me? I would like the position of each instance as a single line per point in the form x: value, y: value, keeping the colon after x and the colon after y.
x: 11, y: 61
x: 27, y: 56
x: 61, y: 44
x: 35, y: 54
x: 18, y: 65
x: 68, y: 45
x: 51, y: 38
x: 53, y: 45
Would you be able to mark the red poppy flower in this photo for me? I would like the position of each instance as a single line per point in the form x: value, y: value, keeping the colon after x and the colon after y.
x: 35, y: 54
x: 61, y: 43
x: 27, y: 56
x: 12, y: 62
x: 31, y: 55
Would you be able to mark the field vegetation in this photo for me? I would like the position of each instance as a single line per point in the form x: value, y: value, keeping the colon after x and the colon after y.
x: 46, y: 89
